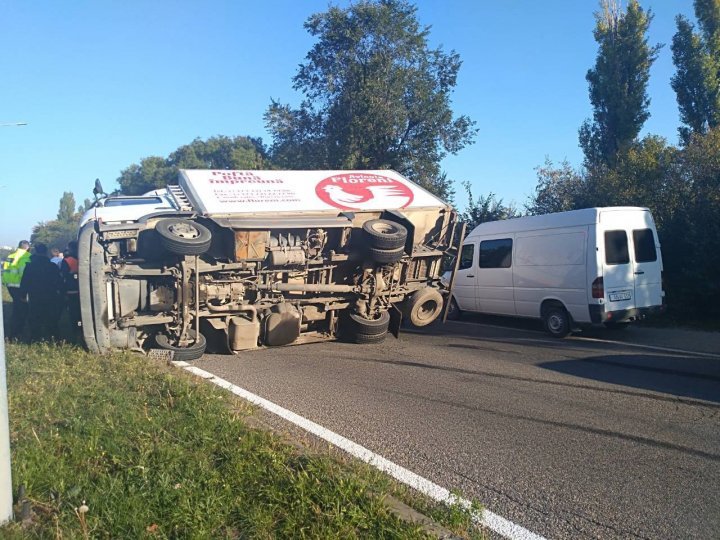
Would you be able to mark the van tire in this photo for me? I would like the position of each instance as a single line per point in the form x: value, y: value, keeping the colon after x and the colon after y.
x: 423, y: 307
x: 613, y: 325
x: 386, y: 256
x: 385, y: 234
x: 184, y: 354
x: 454, y: 312
x: 184, y: 237
x: 556, y: 320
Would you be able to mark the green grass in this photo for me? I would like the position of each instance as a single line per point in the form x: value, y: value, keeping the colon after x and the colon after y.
x: 154, y: 453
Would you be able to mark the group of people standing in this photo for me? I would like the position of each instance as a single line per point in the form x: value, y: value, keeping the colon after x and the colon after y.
x: 41, y: 288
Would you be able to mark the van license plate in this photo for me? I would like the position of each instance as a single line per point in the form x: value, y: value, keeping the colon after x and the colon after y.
x: 621, y: 295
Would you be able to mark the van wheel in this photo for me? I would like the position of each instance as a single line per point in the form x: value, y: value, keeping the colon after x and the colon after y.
x: 185, y: 354
x: 557, y: 321
x: 184, y: 237
x: 454, y: 312
x: 385, y: 234
x: 612, y: 325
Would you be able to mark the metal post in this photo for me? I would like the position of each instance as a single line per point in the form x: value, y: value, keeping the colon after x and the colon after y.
x: 6, y: 510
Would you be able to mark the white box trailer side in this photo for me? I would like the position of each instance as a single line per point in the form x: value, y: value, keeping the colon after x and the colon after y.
x: 251, y: 258
x: 589, y: 266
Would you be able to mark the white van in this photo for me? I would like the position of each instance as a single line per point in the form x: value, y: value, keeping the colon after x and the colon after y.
x: 590, y: 266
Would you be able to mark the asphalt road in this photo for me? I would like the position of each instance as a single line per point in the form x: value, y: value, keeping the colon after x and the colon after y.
x: 571, y: 438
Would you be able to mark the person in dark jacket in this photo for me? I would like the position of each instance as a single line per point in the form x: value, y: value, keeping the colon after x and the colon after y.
x: 42, y: 283
x: 69, y: 273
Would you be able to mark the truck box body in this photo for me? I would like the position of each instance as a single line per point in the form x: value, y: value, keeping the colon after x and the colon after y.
x: 251, y: 258
x: 596, y: 265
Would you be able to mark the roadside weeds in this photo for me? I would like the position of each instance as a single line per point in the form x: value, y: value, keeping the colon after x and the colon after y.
x: 119, y: 446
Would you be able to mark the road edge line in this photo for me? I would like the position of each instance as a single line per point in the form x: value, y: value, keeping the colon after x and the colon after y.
x: 488, y: 519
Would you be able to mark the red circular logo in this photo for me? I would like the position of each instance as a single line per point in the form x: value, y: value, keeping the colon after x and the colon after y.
x: 361, y: 191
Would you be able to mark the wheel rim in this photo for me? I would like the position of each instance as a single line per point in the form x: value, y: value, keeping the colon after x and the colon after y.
x: 184, y: 230
x: 555, y: 322
x: 383, y: 228
x: 426, y: 310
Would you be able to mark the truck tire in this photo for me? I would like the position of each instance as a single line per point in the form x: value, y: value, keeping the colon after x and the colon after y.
x: 556, y: 320
x: 184, y: 237
x: 385, y: 234
x: 369, y: 338
x: 423, y: 307
x: 185, y: 354
x: 386, y: 256
x: 355, y: 324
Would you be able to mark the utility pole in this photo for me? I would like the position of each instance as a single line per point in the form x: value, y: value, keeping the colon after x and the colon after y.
x: 6, y: 499
x: 6, y: 510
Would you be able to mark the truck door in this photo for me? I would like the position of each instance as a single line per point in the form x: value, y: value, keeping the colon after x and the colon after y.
x: 466, y: 278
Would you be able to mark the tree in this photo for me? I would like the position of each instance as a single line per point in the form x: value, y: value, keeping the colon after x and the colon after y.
x: 558, y: 189
x: 58, y: 232
x: 618, y: 82
x: 483, y: 209
x: 697, y: 62
x: 376, y: 97
x: 216, y: 153
x: 67, y: 207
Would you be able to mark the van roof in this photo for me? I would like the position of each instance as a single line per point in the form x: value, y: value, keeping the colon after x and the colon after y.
x: 585, y: 216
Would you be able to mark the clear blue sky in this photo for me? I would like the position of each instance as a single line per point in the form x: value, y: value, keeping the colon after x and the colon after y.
x: 103, y: 84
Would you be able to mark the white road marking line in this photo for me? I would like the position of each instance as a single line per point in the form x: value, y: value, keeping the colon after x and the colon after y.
x: 584, y: 338
x: 650, y: 347
x: 486, y: 518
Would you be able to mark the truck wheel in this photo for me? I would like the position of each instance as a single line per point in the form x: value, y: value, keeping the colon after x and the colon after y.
x: 557, y: 321
x: 185, y: 354
x: 385, y: 234
x: 369, y: 338
x: 184, y: 237
x: 423, y: 307
x: 454, y: 312
x: 386, y: 256
x: 356, y: 324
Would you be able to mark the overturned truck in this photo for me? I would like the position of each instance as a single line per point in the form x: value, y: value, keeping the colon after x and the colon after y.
x: 237, y: 260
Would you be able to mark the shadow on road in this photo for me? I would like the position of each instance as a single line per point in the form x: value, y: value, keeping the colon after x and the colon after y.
x: 687, y: 376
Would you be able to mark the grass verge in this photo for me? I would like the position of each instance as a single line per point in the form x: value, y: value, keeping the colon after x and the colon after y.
x: 153, y: 453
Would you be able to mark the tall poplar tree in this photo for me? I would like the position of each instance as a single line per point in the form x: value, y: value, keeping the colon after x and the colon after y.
x: 697, y: 60
x: 376, y: 96
x: 618, y: 82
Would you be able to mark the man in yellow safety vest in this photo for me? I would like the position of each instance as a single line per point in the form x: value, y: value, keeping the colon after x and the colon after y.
x: 12, y: 271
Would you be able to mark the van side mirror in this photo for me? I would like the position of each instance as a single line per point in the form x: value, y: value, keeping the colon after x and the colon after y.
x: 98, y: 189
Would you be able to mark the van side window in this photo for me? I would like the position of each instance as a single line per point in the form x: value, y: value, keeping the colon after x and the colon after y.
x: 644, y: 241
x: 616, y: 247
x: 496, y: 253
x: 466, y: 256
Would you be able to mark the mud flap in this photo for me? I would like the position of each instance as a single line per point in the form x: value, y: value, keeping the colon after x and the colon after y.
x: 395, y: 321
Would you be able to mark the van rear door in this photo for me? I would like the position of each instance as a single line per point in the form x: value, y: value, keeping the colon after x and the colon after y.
x: 647, y: 267
x: 632, y: 265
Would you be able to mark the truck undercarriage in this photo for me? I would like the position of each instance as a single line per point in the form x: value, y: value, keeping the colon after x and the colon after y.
x: 184, y: 282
